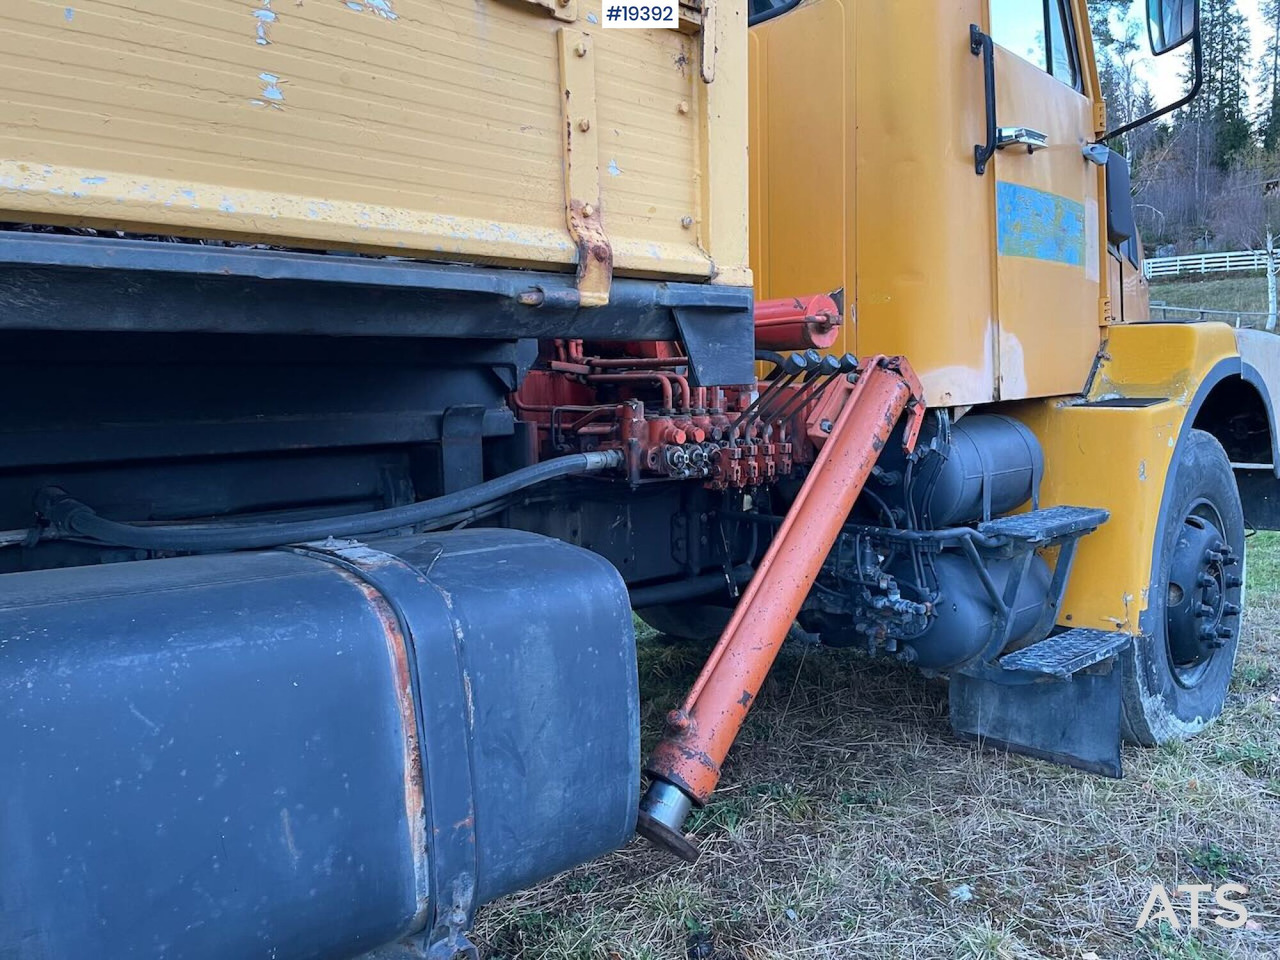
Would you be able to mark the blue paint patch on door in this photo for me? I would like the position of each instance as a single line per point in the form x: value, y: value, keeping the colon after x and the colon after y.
x: 1038, y: 225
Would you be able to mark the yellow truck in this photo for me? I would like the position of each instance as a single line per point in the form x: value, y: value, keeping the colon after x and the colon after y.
x: 367, y: 363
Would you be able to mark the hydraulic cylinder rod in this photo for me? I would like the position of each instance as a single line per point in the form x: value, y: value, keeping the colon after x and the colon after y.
x: 797, y: 323
x: 685, y: 766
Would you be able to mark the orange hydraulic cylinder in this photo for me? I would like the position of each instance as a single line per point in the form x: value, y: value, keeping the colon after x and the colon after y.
x: 797, y: 323
x: 699, y: 734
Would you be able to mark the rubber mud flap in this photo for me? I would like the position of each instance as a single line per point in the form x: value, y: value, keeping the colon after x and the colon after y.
x: 1074, y: 722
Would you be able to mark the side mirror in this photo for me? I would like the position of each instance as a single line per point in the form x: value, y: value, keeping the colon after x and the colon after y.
x: 1171, y: 23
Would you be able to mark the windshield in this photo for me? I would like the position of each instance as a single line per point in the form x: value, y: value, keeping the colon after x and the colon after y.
x: 762, y: 10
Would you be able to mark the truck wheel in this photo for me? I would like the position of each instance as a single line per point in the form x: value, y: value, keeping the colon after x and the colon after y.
x: 1176, y: 675
x: 687, y: 621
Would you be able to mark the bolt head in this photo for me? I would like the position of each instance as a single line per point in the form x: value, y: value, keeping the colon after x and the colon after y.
x: 581, y: 48
x: 584, y: 124
x: 683, y: 106
x: 686, y: 222
x: 588, y: 210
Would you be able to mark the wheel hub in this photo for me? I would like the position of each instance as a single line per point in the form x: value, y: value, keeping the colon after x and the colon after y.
x: 1201, y: 619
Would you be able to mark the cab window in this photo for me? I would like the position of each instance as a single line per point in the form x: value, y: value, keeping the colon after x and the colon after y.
x: 1040, y: 32
x: 761, y: 10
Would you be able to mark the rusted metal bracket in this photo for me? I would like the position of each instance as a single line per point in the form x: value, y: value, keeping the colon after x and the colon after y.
x: 708, y: 57
x: 699, y: 16
x: 560, y: 9
x: 582, y: 167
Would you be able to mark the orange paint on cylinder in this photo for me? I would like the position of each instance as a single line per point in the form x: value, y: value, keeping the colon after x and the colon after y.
x: 700, y: 733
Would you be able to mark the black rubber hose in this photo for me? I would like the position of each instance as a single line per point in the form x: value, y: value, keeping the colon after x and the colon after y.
x: 679, y: 590
x: 73, y: 518
x: 769, y: 356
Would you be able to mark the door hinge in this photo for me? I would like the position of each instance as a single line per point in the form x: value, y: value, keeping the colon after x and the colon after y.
x: 1100, y: 117
x: 1105, y: 316
x: 582, y: 167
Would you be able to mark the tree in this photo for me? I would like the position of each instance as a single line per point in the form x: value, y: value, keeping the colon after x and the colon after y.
x: 1223, y: 105
x: 1269, y: 79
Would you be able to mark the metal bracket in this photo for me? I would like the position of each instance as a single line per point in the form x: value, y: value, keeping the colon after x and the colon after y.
x: 582, y: 167
x: 461, y: 450
x: 708, y: 38
x: 560, y: 9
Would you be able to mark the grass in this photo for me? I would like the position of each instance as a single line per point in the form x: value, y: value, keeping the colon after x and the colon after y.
x: 1247, y: 293
x: 851, y: 823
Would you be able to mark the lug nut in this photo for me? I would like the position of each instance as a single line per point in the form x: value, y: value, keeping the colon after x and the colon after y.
x: 1203, y: 610
x: 1230, y: 610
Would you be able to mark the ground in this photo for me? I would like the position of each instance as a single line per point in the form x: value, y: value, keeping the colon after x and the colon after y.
x: 851, y: 822
x: 1237, y: 291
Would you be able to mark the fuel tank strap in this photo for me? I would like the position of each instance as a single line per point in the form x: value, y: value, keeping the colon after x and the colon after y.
x: 440, y: 682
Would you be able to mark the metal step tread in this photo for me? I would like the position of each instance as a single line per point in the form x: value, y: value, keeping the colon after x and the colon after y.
x: 1051, y: 523
x: 1067, y: 653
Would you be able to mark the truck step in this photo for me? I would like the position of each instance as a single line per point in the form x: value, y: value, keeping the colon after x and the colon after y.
x: 1047, y: 525
x: 1067, y: 653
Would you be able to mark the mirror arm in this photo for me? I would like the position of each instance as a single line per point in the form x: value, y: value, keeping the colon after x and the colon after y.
x: 1195, y: 90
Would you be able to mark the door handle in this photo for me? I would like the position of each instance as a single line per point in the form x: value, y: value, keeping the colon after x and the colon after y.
x: 1033, y: 140
x: 981, y: 45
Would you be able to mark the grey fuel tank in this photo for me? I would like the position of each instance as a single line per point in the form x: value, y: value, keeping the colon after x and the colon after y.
x: 307, y: 752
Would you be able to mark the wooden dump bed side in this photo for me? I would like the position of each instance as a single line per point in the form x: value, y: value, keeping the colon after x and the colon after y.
x: 425, y: 128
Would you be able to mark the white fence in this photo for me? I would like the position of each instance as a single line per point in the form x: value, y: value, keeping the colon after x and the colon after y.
x: 1205, y: 263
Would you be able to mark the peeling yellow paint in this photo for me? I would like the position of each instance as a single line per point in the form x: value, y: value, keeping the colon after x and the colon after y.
x: 426, y: 128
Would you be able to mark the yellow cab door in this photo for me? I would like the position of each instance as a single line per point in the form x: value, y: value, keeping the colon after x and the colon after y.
x: 1045, y: 195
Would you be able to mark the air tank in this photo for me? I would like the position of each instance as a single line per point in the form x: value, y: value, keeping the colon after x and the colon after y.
x: 963, y: 622
x: 990, y: 468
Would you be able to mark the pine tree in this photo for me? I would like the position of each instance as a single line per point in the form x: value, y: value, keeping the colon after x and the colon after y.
x: 1269, y: 79
x: 1222, y: 107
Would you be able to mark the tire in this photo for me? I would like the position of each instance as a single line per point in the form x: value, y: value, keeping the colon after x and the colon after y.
x: 1175, y: 676
x: 687, y: 621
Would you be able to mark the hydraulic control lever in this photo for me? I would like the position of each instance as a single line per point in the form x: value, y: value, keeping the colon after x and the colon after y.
x: 792, y: 367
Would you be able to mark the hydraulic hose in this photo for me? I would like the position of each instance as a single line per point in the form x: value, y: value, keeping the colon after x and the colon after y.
x: 73, y: 518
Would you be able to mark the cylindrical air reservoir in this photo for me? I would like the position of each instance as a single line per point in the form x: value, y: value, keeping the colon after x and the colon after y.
x: 992, y: 459
x: 963, y: 621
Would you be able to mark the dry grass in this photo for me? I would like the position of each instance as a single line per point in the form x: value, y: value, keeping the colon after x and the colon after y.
x: 1246, y: 292
x: 851, y: 820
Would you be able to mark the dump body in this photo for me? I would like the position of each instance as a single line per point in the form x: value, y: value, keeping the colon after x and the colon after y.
x: 427, y: 128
